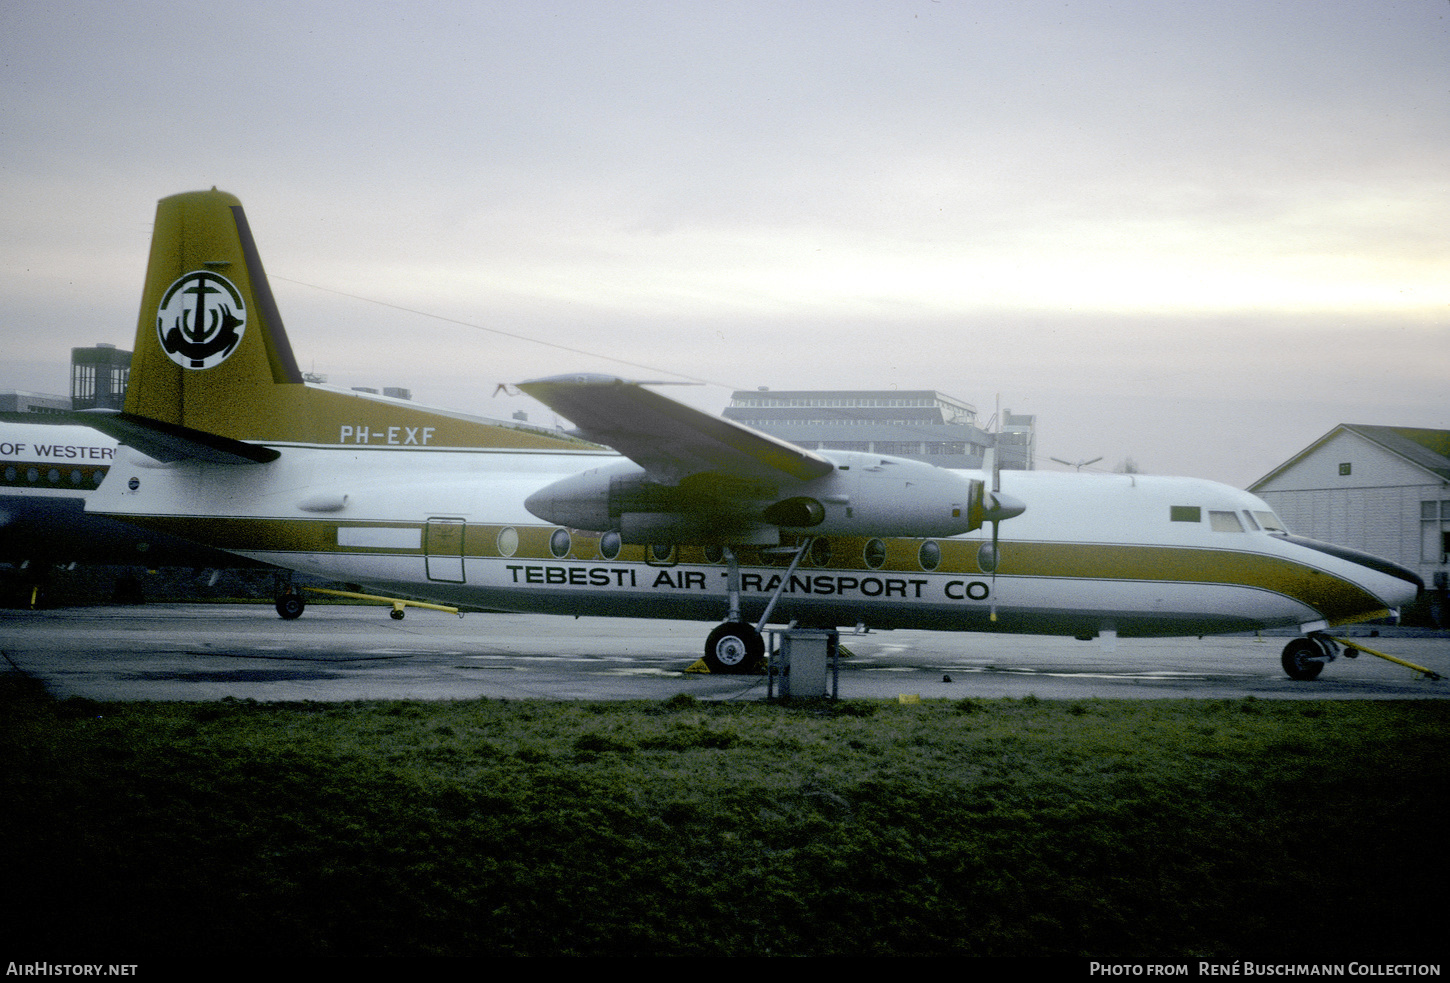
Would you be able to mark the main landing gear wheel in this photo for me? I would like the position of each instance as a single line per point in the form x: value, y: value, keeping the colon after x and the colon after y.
x: 290, y: 605
x: 734, y: 647
x: 1303, y: 659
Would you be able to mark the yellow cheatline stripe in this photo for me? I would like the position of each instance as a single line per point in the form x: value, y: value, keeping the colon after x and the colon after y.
x: 1066, y: 561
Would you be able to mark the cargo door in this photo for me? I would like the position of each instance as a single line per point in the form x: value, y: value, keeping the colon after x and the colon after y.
x: 443, y: 550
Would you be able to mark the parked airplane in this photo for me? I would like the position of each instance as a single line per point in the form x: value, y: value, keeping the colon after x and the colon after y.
x: 700, y: 518
x: 48, y: 468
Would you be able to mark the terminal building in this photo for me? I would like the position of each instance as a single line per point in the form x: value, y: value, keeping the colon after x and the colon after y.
x: 32, y: 404
x: 98, y: 377
x: 921, y: 424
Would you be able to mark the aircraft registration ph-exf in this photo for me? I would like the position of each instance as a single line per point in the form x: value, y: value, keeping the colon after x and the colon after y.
x: 663, y: 511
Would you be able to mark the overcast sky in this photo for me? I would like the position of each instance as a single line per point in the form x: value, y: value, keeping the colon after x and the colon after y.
x: 1197, y: 234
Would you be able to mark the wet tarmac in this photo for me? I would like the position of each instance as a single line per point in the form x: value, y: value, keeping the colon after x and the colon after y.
x: 211, y: 652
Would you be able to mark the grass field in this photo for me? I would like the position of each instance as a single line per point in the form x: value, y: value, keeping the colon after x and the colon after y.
x: 1228, y: 830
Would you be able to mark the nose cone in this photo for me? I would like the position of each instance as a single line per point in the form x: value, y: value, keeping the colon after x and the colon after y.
x: 1411, y: 580
x: 1401, y: 592
x: 541, y: 504
x: 1395, y: 585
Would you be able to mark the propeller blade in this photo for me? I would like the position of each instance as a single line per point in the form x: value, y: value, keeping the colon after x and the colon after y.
x: 1001, y: 507
x: 996, y: 562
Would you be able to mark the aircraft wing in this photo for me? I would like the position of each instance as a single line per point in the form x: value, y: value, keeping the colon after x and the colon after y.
x: 670, y: 440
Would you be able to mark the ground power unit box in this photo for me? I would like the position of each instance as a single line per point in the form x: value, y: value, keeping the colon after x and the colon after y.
x: 806, y: 662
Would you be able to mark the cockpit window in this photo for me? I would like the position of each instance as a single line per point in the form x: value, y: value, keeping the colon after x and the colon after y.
x: 1185, y: 513
x: 1252, y: 524
x: 1270, y: 522
x: 1225, y: 522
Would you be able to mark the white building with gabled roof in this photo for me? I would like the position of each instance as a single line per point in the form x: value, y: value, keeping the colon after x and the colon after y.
x: 1384, y: 490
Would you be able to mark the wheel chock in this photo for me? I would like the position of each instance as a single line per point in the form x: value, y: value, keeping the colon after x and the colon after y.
x: 699, y: 666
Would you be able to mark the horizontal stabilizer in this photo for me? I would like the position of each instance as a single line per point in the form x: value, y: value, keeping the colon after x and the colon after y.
x: 170, y: 442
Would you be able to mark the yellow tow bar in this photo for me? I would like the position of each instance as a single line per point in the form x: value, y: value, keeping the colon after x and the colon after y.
x: 398, y: 603
x: 1428, y: 673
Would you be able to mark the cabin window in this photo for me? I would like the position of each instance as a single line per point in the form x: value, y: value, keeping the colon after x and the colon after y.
x: 610, y: 543
x: 929, y: 556
x: 508, y: 541
x: 1225, y: 522
x: 1185, y: 513
x: 820, y: 551
x: 560, y: 543
x: 875, y: 554
x: 988, y: 557
x: 1270, y: 522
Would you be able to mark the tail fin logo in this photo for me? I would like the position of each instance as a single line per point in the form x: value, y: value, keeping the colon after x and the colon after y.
x: 200, y: 320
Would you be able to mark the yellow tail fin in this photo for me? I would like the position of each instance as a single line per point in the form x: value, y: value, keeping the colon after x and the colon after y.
x: 212, y: 356
x: 209, y: 342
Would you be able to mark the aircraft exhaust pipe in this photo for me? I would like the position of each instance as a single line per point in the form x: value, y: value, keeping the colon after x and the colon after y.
x: 799, y: 512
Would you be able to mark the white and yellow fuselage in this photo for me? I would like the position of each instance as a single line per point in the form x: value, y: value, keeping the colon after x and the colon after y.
x: 1132, y: 554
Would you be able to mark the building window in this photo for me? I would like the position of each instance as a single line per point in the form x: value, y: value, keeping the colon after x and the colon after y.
x: 1344, y: 468
x: 1435, y: 532
x: 83, y: 384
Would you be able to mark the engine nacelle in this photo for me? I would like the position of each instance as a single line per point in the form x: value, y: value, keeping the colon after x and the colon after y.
x: 864, y: 495
x: 878, y: 495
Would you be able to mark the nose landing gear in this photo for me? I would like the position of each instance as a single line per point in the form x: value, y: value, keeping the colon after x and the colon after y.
x: 738, y: 646
x: 1304, y: 658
